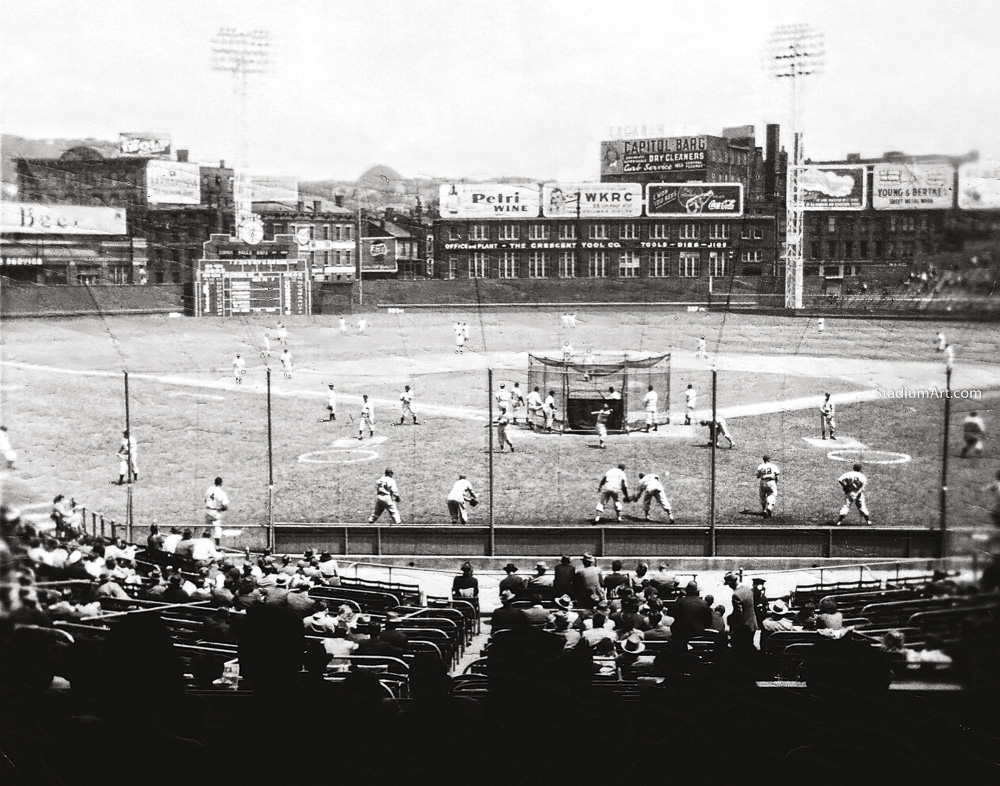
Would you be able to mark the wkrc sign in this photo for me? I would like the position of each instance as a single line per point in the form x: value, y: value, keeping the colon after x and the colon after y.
x: 687, y: 200
x: 592, y: 200
x: 144, y: 143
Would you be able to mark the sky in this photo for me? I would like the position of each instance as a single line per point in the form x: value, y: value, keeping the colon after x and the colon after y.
x: 463, y: 88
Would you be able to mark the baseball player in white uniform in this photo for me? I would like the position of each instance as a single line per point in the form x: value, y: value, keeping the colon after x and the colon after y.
x: 853, y: 484
x: 602, y: 423
x: 460, y: 498
x: 649, y: 403
x: 702, y: 350
x: 366, y: 418
x: 281, y: 333
x: 459, y: 339
x: 690, y: 402
x: 128, y: 459
x: 216, y: 503
x: 362, y: 325
x: 267, y: 343
x: 973, y: 432
x: 516, y: 402
x: 286, y: 360
x: 821, y: 324
x: 331, y: 402
x: 549, y: 410
x: 767, y: 474
x: 386, y: 497
x: 650, y: 490
x: 502, y: 437
x: 5, y: 449
x: 534, y: 406
x: 239, y: 368
x: 717, y: 430
x: 940, y: 342
x: 613, y: 489
x: 503, y: 397
x: 343, y: 326
x: 827, y: 417
x: 406, y: 406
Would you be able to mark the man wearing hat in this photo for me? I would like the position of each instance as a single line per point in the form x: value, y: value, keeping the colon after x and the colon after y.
x: 613, y: 488
x: 541, y: 582
x: 386, y: 497
x: 564, y: 577
x: 743, y: 611
x: 691, y: 614
x: 512, y: 582
x: 778, y: 618
x: 320, y: 623
x: 506, y: 617
x: 589, y: 583
x: 459, y: 498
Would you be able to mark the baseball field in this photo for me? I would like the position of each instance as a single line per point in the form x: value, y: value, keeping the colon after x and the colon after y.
x: 64, y: 406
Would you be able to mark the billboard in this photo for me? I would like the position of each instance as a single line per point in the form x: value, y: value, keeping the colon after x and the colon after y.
x: 912, y: 186
x: 173, y: 183
x: 684, y: 200
x: 378, y: 255
x: 35, y: 219
x: 979, y: 185
x: 144, y: 143
x: 489, y: 200
x: 591, y: 200
x: 265, y: 188
x: 669, y: 154
x: 833, y: 187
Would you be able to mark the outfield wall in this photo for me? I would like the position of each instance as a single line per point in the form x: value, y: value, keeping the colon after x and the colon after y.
x: 518, y: 291
x: 83, y: 300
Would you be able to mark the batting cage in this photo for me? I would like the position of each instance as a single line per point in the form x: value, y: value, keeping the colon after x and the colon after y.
x: 580, y: 384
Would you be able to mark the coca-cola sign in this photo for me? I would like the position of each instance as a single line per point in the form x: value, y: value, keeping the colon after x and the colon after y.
x: 683, y: 200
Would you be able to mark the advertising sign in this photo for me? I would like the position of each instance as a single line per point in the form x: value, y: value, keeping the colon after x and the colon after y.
x: 144, y: 143
x: 37, y: 219
x: 833, y: 187
x: 378, y: 255
x: 979, y: 185
x: 173, y: 183
x: 912, y: 186
x: 489, y: 200
x: 591, y: 200
x: 669, y: 154
x: 684, y: 200
x: 274, y: 189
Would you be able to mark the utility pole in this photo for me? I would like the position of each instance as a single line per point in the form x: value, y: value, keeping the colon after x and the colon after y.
x: 128, y: 467
x: 489, y: 447
x: 270, y: 469
x: 943, y: 502
x: 713, y: 435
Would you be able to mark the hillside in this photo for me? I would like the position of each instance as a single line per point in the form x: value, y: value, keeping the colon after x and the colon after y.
x: 12, y: 147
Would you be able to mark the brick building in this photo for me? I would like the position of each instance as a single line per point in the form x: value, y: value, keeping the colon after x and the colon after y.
x: 326, y: 233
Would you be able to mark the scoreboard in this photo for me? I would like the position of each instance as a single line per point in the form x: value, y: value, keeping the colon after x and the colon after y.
x: 239, y: 278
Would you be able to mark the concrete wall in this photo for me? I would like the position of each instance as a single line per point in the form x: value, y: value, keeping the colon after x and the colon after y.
x: 41, y: 301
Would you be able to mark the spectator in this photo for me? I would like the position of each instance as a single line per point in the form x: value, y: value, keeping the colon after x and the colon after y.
x: 564, y: 578
x: 506, y: 617
x: 511, y: 582
x: 185, y: 546
x: 932, y: 652
x: 465, y: 586
x: 175, y: 592
x: 641, y: 577
x: 154, y: 543
x: 664, y: 580
x: 718, y: 618
x: 659, y: 627
x: 893, y: 642
x: 570, y: 636
x: 320, y: 622
x: 329, y: 569
x: 615, y: 578
x: 778, y: 617
x: 109, y: 588
x: 692, y: 617
x: 203, y: 549
x: 829, y: 620
x: 589, y: 591
x: 598, y: 628
x: 170, y: 542
x: 536, y: 614
x: 743, y: 610
x: 541, y: 582
x: 805, y: 617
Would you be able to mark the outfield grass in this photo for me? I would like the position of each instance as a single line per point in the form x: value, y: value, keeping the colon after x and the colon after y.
x: 192, y: 423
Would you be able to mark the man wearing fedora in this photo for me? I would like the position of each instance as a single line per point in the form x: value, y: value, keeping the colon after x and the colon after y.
x: 743, y: 615
x: 541, y: 582
x: 512, y: 581
x: 505, y: 616
x: 589, y: 583
x: 691, y: 614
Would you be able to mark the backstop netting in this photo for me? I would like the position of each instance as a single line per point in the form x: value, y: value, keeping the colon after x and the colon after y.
x: 581, y: 383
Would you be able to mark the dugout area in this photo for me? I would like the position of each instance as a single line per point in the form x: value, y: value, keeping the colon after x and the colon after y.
x: 580, y: 384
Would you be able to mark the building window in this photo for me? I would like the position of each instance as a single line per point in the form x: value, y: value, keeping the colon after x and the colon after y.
x: 659, y: 232
x: 452, y: 267
x: 718, y: 232
x: 597, y: 266
x: 863, y: 247
x: 567, y: 264
x: 831, y: 223
x: 689, y: 231
x: 454, y: 233
x: 879, y: 249
x: 831, y: 250
x: 628, y: 264
x: 689, y: 264
x: 906, y: 248
x: 751, y: 233
x: 849, y: 249
x: 478, y: 265
x: 659, y: 264
x: 538, y: 264
x: 629, y: 232
x: 508, y: 265
x: 510, y: 231
x: 755, y: 255
x: 909, y: 223
x: 326, y: 231
x: 718, y: 263
x: 538, y: 232
x: 349, y: 232
x: 814, y: 249
x: 479, y: 232
x: 567, y: 231
x: 348, y: 258
x: 598, y: 231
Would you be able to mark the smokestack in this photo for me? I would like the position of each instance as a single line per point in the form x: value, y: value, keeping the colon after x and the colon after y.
x: 182, y: 156
x: 338, y: 200
x: 317, y: 206
x: 771, y: 151
x: 301, y: 206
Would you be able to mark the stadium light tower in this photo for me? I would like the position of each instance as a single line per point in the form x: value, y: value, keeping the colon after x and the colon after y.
x: 241, y: 54
x: 794, y: 52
